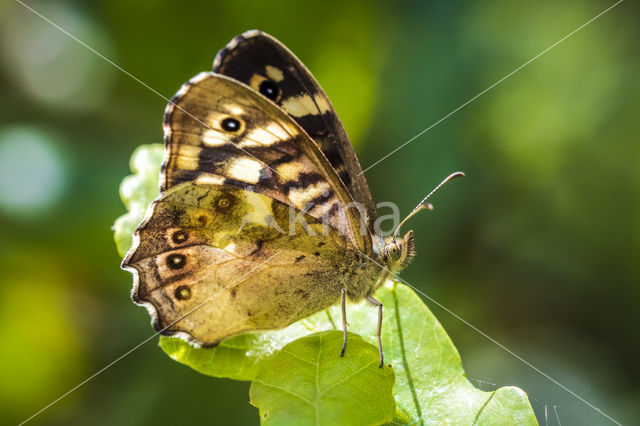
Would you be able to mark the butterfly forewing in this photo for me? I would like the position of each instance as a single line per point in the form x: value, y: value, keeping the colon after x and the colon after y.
x: 220, y: 132
x: 264, y: 217
x: 269, y: 67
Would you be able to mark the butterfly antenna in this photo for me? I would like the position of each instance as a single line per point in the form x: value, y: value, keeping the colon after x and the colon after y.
x: 423, y: 204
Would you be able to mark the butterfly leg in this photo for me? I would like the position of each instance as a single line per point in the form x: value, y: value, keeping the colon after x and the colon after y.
x: 343, y: 300
x: 378, y: 303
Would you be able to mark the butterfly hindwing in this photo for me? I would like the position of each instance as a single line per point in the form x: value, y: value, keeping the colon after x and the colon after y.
x: 212, y: 262
x: 269, y: 67
x: 220, y: 132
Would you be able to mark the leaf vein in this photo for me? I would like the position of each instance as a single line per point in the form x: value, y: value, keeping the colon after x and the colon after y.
x: 407, y: 370
x: 345, y: 378
x: 306, y: 361
x: 301, y: 398
x: 475, y: 421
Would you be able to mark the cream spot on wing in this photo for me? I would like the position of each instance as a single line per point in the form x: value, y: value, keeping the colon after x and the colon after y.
x: 245, y: 169
x: 255, y: 81
x: 322, y: 102
x: 183, y: 90
x: 274, y: 73
x: 213, y: 138
x: 187, y: 157
x: 236, y: 110
x: 187, y: 163
x: 278, y: 131
x: 259, y: 209
x: 233, y: 43
x: 290, y: 170
x: 166, y: 127
x: 301, y: 196
x: 323, y: 208
x: 209, y: 179
x: 250, y: 33
x: 189, y: 150
x: 259, y: 137
x: 231, y: 248
x: 299, y: 106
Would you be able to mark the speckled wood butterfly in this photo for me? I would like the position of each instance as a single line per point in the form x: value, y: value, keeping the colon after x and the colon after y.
x: 245, y: 146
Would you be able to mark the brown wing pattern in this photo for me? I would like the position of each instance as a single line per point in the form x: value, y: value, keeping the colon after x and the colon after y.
x: 269, y: 67
x: 208, y: 264
x: 220, y: 132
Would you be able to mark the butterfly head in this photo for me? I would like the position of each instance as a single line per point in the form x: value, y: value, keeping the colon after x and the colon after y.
x: 398, y: 252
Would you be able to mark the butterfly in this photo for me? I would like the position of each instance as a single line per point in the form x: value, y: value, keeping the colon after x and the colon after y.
x: 264, y: 215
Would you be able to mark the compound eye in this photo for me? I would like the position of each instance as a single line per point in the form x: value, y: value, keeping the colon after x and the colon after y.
x: 393, y: 250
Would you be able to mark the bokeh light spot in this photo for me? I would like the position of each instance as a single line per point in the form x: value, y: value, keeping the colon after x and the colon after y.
x: 41, y: 350
x: 49, y: 65
x: 32, y: 175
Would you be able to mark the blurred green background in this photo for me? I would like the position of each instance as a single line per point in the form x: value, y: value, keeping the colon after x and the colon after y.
x: 539, y: 246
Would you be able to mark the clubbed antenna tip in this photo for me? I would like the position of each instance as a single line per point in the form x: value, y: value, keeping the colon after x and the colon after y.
x: 423, y: 204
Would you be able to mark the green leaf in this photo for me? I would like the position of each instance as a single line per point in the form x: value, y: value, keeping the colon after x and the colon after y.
x: 241, y: 357
x: 308, y: 382
x: 430, y: 387
x: 137, y: 191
